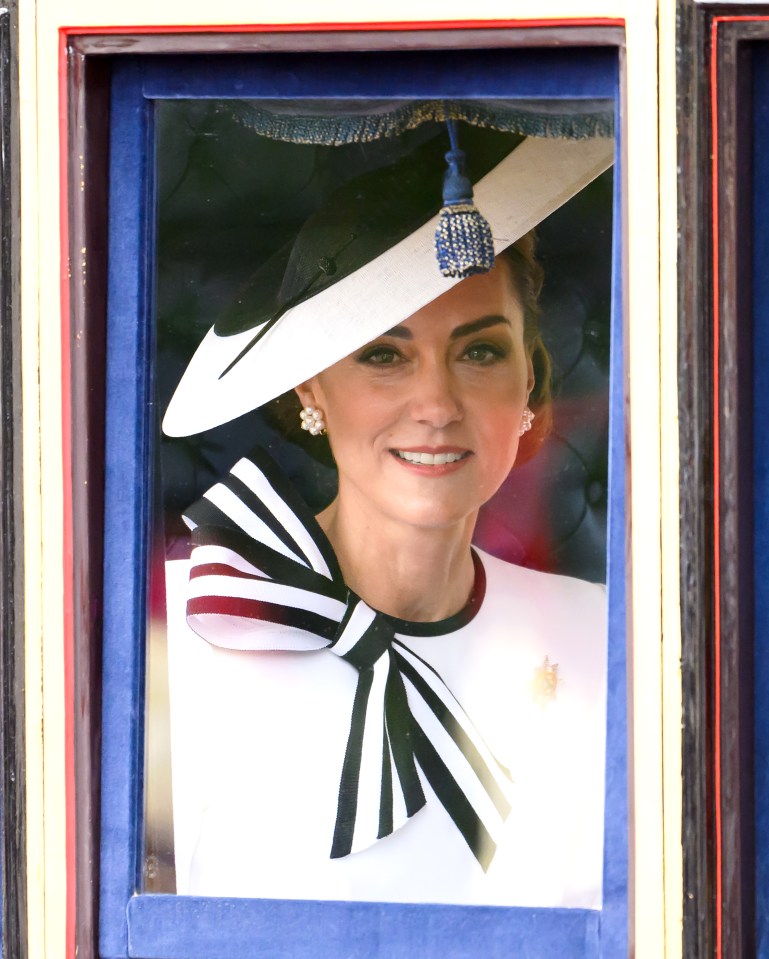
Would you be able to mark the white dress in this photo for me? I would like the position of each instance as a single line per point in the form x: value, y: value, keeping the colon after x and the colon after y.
x: 258, y: 740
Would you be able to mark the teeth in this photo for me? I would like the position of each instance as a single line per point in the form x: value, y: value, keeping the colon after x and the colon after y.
x: 430, y: 459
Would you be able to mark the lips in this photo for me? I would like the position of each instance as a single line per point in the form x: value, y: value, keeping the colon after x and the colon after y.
x: 423, y: 458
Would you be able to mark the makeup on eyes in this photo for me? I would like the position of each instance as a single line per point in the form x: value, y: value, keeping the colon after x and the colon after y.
x: 494, y: 351
x: 497, y: 346
x: 378, y: 355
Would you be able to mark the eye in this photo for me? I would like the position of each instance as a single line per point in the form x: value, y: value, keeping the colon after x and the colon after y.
x: 484, y: 353
x: 379, y: 356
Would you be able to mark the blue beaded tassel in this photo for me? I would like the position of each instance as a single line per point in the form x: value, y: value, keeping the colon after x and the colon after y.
x: 463, y: 241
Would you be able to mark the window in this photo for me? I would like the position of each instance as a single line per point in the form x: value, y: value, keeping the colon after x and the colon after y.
x: 185, y: 211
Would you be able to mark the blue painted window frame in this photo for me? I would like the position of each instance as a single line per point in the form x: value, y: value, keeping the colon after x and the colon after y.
x: 184, y: 927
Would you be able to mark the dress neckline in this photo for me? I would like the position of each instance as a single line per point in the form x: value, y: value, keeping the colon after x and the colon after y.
x: 450, y: 624
x: 407, y: 627
x: 305, y: 515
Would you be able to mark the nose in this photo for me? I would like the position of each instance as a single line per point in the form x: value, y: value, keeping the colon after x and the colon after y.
x: 435, y: 398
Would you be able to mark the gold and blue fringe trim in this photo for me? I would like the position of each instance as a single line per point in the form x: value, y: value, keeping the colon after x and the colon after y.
x: 325, y: 130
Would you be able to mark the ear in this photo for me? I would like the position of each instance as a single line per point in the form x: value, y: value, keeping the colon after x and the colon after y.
x: 308, y: 393
x: 530, y: 376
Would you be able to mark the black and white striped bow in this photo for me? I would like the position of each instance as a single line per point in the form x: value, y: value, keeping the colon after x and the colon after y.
x: 264, y: 577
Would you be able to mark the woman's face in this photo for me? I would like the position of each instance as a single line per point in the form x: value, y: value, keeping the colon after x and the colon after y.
x: 423, y: 421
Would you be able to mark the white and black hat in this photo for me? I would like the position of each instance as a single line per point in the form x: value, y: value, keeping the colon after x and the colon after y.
x: 366, y: 261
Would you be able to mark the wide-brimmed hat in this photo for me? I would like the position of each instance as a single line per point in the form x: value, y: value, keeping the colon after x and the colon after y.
x: 364, y: 262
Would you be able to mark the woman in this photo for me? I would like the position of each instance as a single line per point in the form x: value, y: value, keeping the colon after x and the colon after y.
x: 430, y: 757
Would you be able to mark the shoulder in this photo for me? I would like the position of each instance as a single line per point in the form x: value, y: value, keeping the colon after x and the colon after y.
x: 561, y: 615
x: 503, y: 578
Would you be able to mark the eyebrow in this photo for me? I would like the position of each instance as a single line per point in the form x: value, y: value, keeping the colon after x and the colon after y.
x: 464, y: 329
x: 482, y: 324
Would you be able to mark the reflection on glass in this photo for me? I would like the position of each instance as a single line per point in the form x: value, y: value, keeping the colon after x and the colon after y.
x: 248, y: 817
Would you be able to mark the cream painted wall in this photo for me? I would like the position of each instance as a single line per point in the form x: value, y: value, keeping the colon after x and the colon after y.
x: 651, y: 230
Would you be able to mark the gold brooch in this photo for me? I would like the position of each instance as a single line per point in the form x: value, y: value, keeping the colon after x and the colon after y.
x: 545, y: 682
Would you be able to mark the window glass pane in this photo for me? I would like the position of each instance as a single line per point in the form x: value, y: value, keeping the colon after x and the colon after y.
x: 223, y: 798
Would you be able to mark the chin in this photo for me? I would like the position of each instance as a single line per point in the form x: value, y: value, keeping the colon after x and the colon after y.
x: 432, y: 515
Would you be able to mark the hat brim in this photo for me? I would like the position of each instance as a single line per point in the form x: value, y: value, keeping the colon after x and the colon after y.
x: 526, y: 187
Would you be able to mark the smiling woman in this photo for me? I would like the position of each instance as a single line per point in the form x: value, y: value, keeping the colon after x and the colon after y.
x: 424, y: 425
x: 365, y: 706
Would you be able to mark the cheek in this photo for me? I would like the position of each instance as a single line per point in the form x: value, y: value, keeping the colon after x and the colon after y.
x: 502, y: 437
x: 358, y: 415
x: 498, y: 426
x: 500, y: 403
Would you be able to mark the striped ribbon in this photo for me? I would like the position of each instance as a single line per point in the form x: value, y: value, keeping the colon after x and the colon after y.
x: 264, y: 577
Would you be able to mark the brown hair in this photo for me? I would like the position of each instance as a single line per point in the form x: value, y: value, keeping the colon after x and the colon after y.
x: 527, y: 276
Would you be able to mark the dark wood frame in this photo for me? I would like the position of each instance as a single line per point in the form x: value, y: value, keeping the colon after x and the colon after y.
x: 733, y: 392
x: 87, y: 90
x: 696, y: 480
x: 88, y: 105
x: 715, y: 395
x: 12, y: 756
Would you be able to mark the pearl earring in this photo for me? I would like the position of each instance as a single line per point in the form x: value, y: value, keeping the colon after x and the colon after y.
x: 526, y: 417
x: 312, y: 420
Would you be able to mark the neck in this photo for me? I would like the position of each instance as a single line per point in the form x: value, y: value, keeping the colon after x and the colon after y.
x: 422, y: 574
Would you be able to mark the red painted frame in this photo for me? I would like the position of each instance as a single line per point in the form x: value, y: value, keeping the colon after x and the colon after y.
x: 716, y: 498
x: 398, y: 25
x: 67, y: 519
